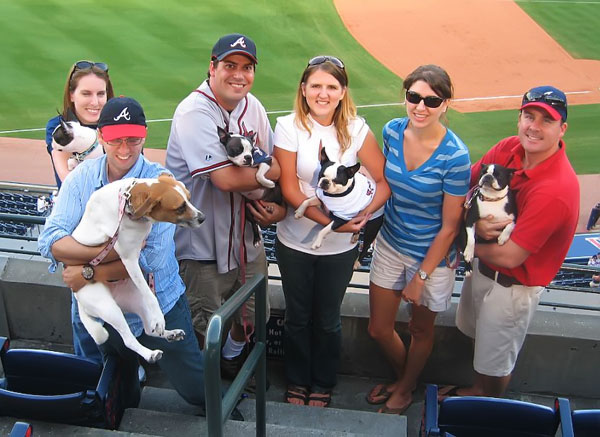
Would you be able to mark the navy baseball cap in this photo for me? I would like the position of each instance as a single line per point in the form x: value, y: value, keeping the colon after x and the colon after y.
x: 234, y: 43
x: 551, y: 99
x: 122, y: 117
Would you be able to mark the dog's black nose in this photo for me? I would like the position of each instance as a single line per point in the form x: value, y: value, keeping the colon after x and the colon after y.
x: 247, y: 159
x: 324, y: 184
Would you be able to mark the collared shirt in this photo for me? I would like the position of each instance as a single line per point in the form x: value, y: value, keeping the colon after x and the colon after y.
x: 547, y: 197
x: 158, y: 255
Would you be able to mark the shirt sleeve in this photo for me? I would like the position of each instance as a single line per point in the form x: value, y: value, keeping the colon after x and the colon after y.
x: 458, y: 173
x: 64, y: 218
x: 285, y: 135
x: 199, y: 143
x: 154, y: 255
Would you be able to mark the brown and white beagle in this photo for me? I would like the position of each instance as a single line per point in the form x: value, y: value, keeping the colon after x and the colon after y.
x: 121, y: 214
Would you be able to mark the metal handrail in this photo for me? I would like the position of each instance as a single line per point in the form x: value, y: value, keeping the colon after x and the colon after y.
x: 217, y: 409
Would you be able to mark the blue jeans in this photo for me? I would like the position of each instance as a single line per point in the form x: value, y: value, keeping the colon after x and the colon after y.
x: 83, y: 343
x: 314, y: 287
x: 182, y: 361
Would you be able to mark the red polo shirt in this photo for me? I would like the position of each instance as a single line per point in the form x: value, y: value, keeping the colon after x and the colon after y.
x: 547, y: 209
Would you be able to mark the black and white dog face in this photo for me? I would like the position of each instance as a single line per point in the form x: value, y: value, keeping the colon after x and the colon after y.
x: 70, y: 136
x: 494, y: 179
x: 238, y: 147
x: 335, y: 178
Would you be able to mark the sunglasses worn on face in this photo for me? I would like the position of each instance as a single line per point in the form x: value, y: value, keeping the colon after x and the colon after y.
x: 548, y: 97
x: 130, y: 141
x: 430, y: 101
x: 322, y: 59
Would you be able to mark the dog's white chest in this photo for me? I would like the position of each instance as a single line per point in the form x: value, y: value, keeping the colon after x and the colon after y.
x: 495, y: 208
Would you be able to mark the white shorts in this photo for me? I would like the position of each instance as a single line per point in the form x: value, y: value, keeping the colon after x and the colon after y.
x: 497, y: 318
x: 393, y: 270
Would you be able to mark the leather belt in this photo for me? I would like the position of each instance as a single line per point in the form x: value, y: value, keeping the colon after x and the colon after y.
x: 501, y: 278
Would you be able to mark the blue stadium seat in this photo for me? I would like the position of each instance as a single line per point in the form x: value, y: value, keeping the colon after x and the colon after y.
x: 475, y: 416
x: 21, y: 429
x: 582, y: 423
x: 59, y: 387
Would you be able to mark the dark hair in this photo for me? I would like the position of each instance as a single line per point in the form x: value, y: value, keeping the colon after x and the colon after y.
x: 73, y: 79
x: 436, y: 77
x: 345, y: 111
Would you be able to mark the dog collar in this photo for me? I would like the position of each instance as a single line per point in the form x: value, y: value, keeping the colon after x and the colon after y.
x: 80, y: 156
x: 341, y: 194
x: 489, y: 199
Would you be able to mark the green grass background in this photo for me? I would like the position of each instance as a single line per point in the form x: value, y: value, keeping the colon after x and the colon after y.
x: 159, y: 51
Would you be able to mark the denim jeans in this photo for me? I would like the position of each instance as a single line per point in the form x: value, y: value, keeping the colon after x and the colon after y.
x: 313, y: 286
x: 182, y: 361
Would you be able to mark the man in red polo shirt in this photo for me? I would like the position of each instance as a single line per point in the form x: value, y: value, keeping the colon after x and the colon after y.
x: 499, y: 300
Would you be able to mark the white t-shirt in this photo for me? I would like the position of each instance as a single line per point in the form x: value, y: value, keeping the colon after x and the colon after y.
x: 299, y: 234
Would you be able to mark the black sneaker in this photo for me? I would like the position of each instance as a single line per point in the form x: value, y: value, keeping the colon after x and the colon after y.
x: 230, y: 369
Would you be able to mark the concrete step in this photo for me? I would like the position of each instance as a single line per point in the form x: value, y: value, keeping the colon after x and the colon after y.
x: 159, y: 423
x: 279, y: 413
x: 59, y: 430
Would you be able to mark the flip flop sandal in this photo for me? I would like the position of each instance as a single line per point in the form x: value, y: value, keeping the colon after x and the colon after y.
x: 380, y: 397
x: 451, y: 392
x: 296, y: 392
x: 320, y: 396
x: 387, y: 410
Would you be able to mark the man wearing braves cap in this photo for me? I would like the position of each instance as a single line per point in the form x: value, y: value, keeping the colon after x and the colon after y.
x: 212, y: 258
x: 499, y: 300
x: 122, y: 133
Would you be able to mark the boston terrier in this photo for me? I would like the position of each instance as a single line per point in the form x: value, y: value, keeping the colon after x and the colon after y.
x: 242, y: 151
x: 491, y: 196
x: 344, y: 193
x: 80, y: 141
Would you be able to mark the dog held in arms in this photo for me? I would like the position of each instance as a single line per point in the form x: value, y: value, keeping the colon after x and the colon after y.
x: 491, y: 196
x: 344, y: 192
x: 242, y: 151
x: 127, y: 208
x: 80, y: 141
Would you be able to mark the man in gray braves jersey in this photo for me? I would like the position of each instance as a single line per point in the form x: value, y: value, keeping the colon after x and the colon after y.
x: 211, y: 257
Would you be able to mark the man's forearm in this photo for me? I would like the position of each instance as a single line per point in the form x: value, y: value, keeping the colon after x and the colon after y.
x: 509, y: 255
x: 68, y: 251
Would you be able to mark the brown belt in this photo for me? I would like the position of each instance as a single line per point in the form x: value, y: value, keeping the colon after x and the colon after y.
x: 502, y: 279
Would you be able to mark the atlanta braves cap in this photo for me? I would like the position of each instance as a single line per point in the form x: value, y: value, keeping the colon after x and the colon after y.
x: 122, y: 117
x: 234, y: 43
x: 551, y: 99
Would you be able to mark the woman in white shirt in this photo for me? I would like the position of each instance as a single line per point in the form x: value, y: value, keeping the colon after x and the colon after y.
x: 314, y: 281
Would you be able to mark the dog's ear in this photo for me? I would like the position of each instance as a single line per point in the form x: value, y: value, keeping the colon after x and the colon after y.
x: 483, y: 169
x: 223, y: 135
x: 324, y: 157
x: 351, y: 171
x: 511, y: 172
x: 167, y: 178
x: 142, y: 201
x: 253, y: 137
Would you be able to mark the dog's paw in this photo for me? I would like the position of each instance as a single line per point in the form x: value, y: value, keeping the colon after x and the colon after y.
x: 468, y: 273
x: 316, y: 245
x: 267, y: 183
x: 157, y: 327
x: 356, y: 265
x: 174, y: 335
x: 155, y: 355
x: 354, y: 238
x: 298, y: 214
x: 469, y: 253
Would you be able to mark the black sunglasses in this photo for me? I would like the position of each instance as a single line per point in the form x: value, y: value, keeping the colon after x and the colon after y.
x: 549, y: 97
x: 430, y: 101
x: 322, y: 59
x: 83, y: 65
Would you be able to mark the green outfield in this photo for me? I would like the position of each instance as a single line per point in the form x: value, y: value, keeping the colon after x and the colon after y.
x: 159, y: 51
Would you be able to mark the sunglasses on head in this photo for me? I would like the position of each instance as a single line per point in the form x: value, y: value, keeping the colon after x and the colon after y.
x: 548, y: 97
x: 430, y: 101
x: 84, y: 65
x: 322, y: 59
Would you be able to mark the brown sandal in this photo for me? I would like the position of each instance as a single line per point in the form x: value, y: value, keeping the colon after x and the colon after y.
x: 296, y: 392
x: 323, y: 396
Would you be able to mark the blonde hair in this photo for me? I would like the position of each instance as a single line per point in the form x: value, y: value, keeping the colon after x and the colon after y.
x: 344, y: 113
x: 73, y: 78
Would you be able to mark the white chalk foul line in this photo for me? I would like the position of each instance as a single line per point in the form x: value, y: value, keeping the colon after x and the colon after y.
x: 287, y: 111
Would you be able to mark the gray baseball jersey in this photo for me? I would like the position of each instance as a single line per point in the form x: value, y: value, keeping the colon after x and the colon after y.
x: 193, y: 151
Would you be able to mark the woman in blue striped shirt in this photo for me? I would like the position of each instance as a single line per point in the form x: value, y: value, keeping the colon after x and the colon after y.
x: 428, y: 170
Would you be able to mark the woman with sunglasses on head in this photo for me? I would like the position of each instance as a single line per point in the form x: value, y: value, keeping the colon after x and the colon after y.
x: 314, y: 281
x: 428, y: 169
x: 87, y: 89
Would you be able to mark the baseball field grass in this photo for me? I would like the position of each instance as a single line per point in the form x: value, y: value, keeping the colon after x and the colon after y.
x: 159, y: 51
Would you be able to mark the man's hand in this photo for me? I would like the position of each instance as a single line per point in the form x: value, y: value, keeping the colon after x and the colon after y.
x: 73, y: 278
x: 266, y: 213
x: 490, y: 228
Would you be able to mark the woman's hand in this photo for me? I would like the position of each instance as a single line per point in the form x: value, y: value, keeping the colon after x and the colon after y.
x: 73, y: 278
x: 355, y: 225
x: 413, y: 290
x: 266, y: 213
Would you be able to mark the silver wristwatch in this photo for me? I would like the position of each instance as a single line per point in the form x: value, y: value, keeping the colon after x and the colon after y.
x: 423, y: 275
x: 87, y: 272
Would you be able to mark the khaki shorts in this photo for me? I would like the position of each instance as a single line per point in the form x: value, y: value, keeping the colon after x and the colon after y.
x: 497, y: 318
x: 393, y: 270
x: 207, y: 289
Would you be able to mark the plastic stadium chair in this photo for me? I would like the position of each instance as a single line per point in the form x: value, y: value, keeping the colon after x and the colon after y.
x: 58, y: 387
x: 582, y: 423
x: 21, y: 429
x: 475, y: 416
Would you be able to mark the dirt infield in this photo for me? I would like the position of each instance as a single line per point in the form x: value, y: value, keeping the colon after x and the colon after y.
x: 491, y: 48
